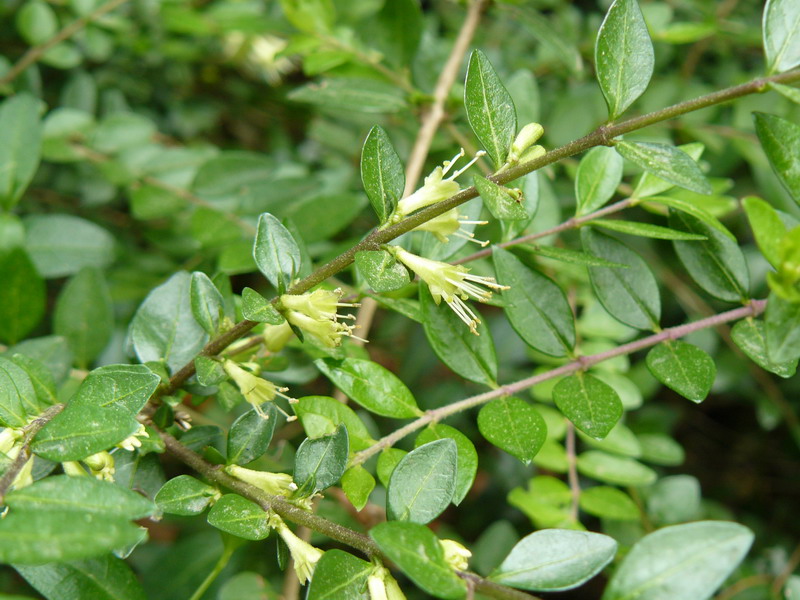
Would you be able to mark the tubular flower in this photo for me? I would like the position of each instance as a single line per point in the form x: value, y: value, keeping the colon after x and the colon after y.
x: 256, y: 390
x: 277, y: 484
x: 315, y: 313
x: 132, y: 442
x: 277, y: 336
x: 450, y: 223
x: 304, y: 555
x: 451, y: 282
x: 455, y: 555
x: 101, y: 465
x: 435, y: 189
x: 382, y: 586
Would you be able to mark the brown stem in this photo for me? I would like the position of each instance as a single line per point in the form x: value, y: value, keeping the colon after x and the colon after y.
x: 31, y: 429
x: 435, y: 114
x: 755, y: 308
x: 36, y: 52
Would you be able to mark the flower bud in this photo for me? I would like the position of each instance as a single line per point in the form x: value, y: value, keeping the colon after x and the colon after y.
x: 526, y: 138
x: 101, y: 465
x: 277, y: 484
x: 455, y: 555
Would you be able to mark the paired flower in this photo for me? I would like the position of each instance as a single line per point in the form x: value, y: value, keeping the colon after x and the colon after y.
x: 316, y: 313
x: 435, y: 189
x: 256, y: 390
x: 454, y: 283
x: 451, y: 223
x: 304, y: 555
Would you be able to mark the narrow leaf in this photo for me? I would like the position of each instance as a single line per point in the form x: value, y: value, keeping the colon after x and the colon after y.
x: 535, y: 305
x: 599, y: 174
x: 781, y: 27
x: 276, y: 253
x: 206, y: 302
x: 645, y: 230
x: 22, y: 302
x: 490, y: 109
x: 623, y: 56
x: 782, y: 329
x: 780, y: 140
x: 467, y: 455
x: 250, y: 434
x: 323, y: 458
x: 618, y: 470
x: 382, y: 173
x: 768, y: 229
x: 21, y: 147
x: 499, y: 201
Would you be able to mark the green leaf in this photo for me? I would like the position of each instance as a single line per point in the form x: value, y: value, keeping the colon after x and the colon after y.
x: 122, y: 130
x: 51, y: 351
x: 352, y: 94
x: 257, y: 308
x: 423, y: 482
x: 768, y: 228
x: 324, y: 459
x: 750, y: 336
x: 552, y: 560
x: 623, y: 56
x: 786, y: 91
x: 382, y: 271
x: 357, y: 484
x: 321, y: 415
x: 574, y: 257
x: 84, y: 315
x: 629, y: 295
x: 620, y: 440
x: 276, y: 253
x: 23, y: 299
x: 62, y: 494
x: 163, y: 326
x: 618, y: 470
x: 41, y: 378
x: 499, y: 201
x: 184, y: 495
x: 649, y: 184
x: 17, y: 395
x: 682, y: 562
x: 467, y: 455
x: 473, y: 357
x: 693, y: 210
x: 674, y: 499
x: 61, y: 245
x: 717, y: 264
x: 250, y: 434
x: 80, y: 431
x: 667, y: 162
x: 375, y: 388
x: 781, y: 35
x: 609, y: 503
x: 382, y: 173
x: 123, y: 387
x: 490, y: 109
x: 599, y: 174
x: 209, y: 372
x: 397, y: 31
x: 387, y: 462
x: 206, y: 302
x: 593, y: 406
x: 103, y: 578
x: 645, y: 230
x: 536, y: 307
x: 240, y: 517
x: 780, y: 140
x: 661, y: 449
x: 21, y: 147
x: 339, y: 576
x: 782, y: 329
x: 36, y: 22
x: 38, y: 537
x: 513, y: 425
x: 417, y: 552
x: 683, y: 368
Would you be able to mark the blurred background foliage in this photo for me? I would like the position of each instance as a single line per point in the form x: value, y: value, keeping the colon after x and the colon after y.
x: 169, y: 126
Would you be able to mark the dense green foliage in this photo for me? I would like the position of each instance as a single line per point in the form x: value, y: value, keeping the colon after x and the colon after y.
x: 204, y: 208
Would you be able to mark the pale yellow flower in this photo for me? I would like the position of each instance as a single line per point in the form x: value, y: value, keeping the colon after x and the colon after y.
x: 277, y: 484
x: 304, y: 555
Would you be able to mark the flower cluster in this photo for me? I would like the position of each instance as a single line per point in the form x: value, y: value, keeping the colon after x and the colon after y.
x: 256, y: 390
x: 315, y: 313
x: 453, y: 283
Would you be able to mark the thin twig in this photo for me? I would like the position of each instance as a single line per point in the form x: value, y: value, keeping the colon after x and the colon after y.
x: 435, y: 114
x: 31, y: 429
x: 603, y: 135
x: 755, y: 308
x: 36, y: 52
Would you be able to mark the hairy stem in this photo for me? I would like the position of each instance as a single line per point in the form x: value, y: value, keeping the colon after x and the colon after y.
x: 755, y: 308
